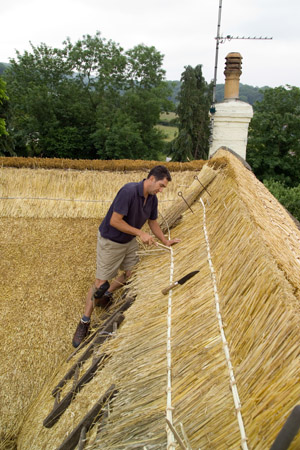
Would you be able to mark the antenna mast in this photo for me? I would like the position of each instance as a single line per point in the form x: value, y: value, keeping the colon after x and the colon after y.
x: 222, y: 40
x: 217, y: 52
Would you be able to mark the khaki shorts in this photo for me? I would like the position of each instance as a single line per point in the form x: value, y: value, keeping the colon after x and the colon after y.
x: 112, y: 256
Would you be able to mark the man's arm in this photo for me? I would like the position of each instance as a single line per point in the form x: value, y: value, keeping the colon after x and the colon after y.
x: 117, y: 222
x: 157, y: 231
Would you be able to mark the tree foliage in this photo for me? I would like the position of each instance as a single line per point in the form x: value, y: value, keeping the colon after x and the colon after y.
x: 248, y: 94
x: 90, y: 99
x: 193, y: 120
x: 288, y: 197
x: 3, y: 98
x: 5, y: 141
x: 273, y: 148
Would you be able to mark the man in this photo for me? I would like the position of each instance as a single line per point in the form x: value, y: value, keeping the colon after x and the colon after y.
x: 117, y: 248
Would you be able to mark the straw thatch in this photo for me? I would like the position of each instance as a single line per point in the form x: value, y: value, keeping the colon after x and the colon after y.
x: 46, y: 268
x: 254, y: 275
x: 45, y: 193
x: 246, y: 248
x: 47, y: 265
x: 124, y: 165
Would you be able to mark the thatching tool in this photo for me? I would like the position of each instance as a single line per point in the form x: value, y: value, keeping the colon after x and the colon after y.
x: 180, y: 195
x: 288, y: 431
x: 181, y: 281
x: 196, y: 178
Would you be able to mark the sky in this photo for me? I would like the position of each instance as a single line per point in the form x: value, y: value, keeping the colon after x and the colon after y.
x: 184, y: 31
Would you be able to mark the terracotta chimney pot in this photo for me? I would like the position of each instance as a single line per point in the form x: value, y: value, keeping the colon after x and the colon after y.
x: 232, y: 72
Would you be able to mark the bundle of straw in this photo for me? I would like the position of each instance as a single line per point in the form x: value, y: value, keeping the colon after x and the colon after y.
x: 188, y: 196
x: 123, y: 165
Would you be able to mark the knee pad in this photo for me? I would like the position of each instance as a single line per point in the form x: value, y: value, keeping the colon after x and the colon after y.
x: 100, y: 291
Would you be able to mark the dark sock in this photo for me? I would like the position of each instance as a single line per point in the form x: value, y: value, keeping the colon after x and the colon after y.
x: 85, y: 319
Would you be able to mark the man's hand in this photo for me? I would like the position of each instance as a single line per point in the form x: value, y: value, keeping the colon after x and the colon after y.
x: 146, y: 238
x: 170, y: 242
x: 156, y: 230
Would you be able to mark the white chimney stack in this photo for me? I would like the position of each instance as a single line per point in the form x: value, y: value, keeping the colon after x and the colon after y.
x: 232, y: 116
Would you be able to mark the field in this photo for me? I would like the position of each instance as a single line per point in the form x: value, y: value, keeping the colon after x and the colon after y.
x: 169, y: 131
x: 167, y: 117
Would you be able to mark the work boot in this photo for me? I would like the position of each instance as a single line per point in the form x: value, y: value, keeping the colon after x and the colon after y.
x: 81, y: 333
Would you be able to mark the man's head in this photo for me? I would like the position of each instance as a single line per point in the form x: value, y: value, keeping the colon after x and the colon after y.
x: 160, y: 172
x: 157, y: 179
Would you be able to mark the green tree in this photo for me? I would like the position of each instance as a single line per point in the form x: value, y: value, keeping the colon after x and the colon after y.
x: 273, y: 148
x: 3, y: 98
x: 288, y: 197
x: 135, y: 111
x: 77, y: 102
x: 5, y: 141
x: 3, y: 66
x: 193, y: 120
x: 124, y: 139
x: 140, y: 72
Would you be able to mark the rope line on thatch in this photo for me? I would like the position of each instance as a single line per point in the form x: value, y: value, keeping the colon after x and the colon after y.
x: 68, y: 199
x: 233, y: 384
x: 172, y: 433
x: 169, y: 409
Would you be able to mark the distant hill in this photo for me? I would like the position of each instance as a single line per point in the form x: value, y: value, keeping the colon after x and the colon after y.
x: 3, y: 67
x: 249, y: 94
x: 175, y: 86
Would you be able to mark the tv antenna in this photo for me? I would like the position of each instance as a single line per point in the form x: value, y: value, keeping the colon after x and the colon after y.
x: 222, y: 40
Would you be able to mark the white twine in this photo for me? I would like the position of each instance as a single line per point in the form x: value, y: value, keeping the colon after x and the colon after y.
x: 67, y: 199
x: 56, y: 199
x: 170, y: 435
x: 169, y: 408
x: 233, y: 384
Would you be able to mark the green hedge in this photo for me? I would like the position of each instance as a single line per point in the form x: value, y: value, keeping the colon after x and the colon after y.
x: 288, y: 197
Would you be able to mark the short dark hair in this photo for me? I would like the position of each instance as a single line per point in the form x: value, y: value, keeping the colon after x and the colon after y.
x: 160, y: 172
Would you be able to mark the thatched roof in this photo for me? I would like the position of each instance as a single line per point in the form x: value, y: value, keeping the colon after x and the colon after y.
x: 48, y: 233
x: 217, y: 356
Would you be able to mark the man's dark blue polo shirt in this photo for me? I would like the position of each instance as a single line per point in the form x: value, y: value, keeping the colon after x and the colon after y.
x: 129, y: 202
